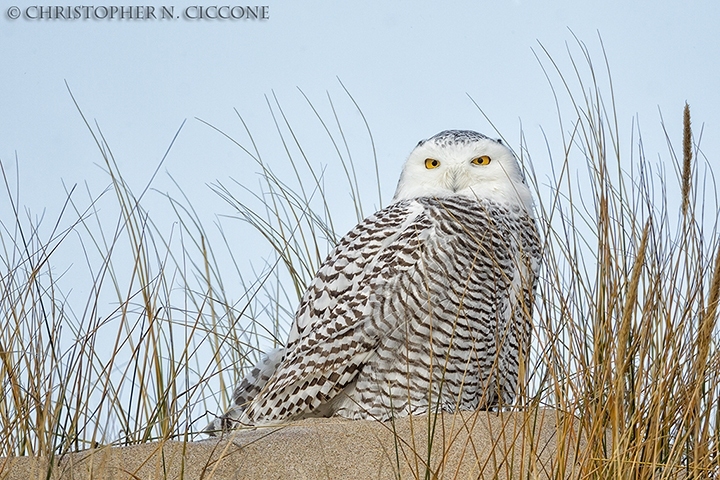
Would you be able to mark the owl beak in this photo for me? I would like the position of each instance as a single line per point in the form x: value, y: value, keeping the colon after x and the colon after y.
x: 454, y: 180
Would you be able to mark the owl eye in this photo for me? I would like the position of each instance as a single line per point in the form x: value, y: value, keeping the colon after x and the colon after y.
x: 431, y: 163
x: 483, y: 160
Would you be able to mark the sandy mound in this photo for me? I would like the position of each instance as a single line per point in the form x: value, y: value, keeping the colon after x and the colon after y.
x: 468, y: 446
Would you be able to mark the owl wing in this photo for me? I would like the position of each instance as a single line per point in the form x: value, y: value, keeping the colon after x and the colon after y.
x: 521, y: 237
x: 333, y: 334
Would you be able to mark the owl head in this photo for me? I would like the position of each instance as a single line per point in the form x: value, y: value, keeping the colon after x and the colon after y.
x: 464, y: 163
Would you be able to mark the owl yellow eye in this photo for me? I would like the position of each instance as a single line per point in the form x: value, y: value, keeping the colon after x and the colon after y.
x: 484, y: 160
x: 431, y: 163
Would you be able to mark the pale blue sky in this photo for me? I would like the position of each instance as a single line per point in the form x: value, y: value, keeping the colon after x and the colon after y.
x: 410, y: 65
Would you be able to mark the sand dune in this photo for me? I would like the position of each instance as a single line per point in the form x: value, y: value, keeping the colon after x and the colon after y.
x: 477, y: 445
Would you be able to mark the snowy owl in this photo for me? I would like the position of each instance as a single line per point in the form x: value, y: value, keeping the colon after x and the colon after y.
x: 424, y: 306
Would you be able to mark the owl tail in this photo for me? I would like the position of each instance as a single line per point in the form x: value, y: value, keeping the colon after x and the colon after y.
x: 248, y: 388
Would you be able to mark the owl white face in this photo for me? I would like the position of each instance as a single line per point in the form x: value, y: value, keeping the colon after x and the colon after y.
x: 465, y: 163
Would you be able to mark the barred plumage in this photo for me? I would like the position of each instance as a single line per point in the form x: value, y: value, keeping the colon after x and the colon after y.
x: 424, y: 305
